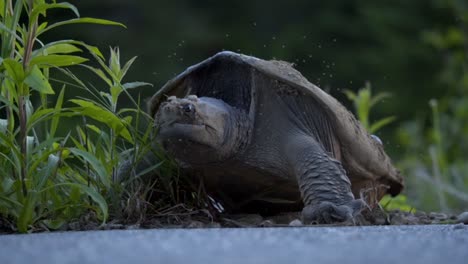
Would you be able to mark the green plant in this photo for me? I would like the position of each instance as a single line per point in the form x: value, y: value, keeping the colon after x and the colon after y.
x: 363, y: 102
x: 435, y: 144
x: 399, y: 202
x: 45, y: 175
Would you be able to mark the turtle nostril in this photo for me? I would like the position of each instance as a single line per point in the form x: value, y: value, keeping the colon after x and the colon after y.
x: 166, y: 108
x: 188, y: 108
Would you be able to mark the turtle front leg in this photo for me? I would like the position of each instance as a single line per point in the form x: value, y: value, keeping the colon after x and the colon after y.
x: 324, y: 186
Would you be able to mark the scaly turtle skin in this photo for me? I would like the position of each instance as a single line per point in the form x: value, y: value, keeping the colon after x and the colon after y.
x: 257, y: 130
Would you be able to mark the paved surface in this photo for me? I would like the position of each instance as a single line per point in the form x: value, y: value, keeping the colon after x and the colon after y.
x: 380, y: 245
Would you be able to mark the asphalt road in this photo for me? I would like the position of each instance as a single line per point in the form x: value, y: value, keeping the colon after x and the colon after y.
x: 380, y: 245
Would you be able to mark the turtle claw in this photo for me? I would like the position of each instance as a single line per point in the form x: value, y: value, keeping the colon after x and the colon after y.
x: 328, y: 212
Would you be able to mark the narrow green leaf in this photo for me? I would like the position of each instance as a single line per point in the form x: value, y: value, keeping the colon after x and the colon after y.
x: 132, y: 85
x: 127, y: 66
x: 97, y: 165
x: 93, y: 50
x: 94, y: 128
x: 99, y: 73
x: 36, y: 167
x: 396, y: 203
x: 100, y: 60
x: 149, y: 169
x: 9, y: 88
x: 37, y: 81
x: 8, y: 39
x: 106, y: 96
x: 4, y: 153
x: 14, y: 69
x: 362, y: 106
x: 11, y: 33
x: 16, y: 158
x: 3, y: 125
x: 83, y: 20
x: 128, y: 119
x: 30, y: 142
x: 14, y: 203
x: 105, y: 116
x: 56, y: 60
x: 114, y: 62
x: 381, y: 123
x: 350, y: 94
x: 28, y: 107
x: 95, y: 196
x: 46, y: 171
x: 379, y: 97
x: 41, y: 27
x: 54, y: 223
x: 38, y: 116
x: 58, y: 107
x: 2, y: 8
x: 26, y: 214
x: 63, y: 48
x: 42, y: 8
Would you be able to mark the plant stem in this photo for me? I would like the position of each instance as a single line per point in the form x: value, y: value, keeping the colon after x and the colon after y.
x: 112, y: 139
x: 85, y: 145
x: 31, y: 38
x: 437, y: 155
x: 22, y: 121
x: 23, y: 92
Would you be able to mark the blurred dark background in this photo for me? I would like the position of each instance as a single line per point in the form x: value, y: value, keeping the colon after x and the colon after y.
x: 416, y: 50
x: 335, y: 44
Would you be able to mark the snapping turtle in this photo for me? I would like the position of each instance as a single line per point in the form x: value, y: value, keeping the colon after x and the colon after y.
x: 257, y: 130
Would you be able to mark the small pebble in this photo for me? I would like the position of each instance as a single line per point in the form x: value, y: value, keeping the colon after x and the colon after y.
x: 251, y: 219
x: 214, y: 225
x: 459, y: 226
x: 380, y: 221
x: 295, y: 222
x: 267, y: 223
x: 463, y: 218
x: 195, y: 224
x: 438, y: 216
x: 133, y: 227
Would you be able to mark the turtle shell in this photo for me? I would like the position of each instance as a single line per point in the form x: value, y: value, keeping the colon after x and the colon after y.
x: 230, y: 77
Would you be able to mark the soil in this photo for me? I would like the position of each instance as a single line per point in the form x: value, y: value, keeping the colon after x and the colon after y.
x: 183, y: 218
x: 205, y: 219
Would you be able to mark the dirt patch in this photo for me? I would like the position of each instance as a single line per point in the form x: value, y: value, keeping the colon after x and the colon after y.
x: 183, y: 218
x: 205, y: 219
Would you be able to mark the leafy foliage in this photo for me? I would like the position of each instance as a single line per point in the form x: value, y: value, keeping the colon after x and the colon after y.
x: 363, y: 101
x: 435, y: 144
x: 48, y: 173
x: 399, y: 202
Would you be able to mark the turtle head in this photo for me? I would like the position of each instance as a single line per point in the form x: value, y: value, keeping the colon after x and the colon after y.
x: 198, y: 130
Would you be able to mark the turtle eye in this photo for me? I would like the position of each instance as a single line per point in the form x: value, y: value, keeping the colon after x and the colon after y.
x: 377, y: 139
x: 188, y: 108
